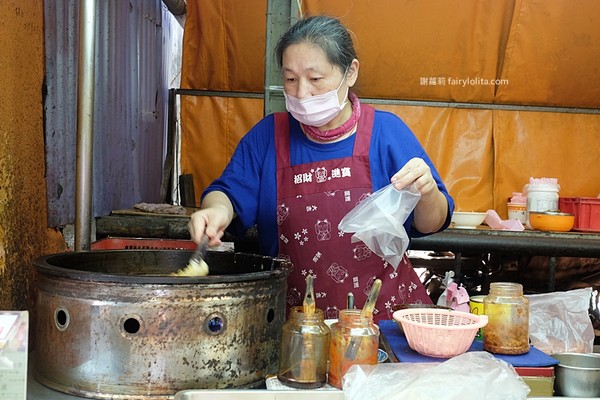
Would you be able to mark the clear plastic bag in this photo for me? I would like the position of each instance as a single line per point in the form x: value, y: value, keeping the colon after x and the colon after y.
x: 560, y: 321
x: 469, y: 376
x: 378, y: 221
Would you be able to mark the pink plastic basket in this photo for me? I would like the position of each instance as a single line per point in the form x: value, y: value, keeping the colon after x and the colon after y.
x: 437, y: 332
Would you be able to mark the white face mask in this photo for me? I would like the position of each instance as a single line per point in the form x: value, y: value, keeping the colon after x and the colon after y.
x: 316, y: 110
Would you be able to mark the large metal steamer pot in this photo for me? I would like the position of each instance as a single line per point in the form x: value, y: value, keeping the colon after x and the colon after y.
x: 115, y: 325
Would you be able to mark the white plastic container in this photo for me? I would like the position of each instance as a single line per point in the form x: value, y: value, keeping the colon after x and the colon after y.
x: 542, y: 195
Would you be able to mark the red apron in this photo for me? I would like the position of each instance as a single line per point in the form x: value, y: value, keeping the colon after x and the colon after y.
x: 312, y: 199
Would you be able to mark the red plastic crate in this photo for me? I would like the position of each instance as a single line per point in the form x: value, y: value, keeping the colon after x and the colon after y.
x: 586, y: 211
x: 114, y: 243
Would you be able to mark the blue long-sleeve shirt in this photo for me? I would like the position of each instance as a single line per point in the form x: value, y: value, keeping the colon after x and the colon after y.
x: 249, y: 180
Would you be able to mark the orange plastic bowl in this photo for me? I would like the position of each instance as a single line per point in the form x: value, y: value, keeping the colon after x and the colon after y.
x: 551, y: 221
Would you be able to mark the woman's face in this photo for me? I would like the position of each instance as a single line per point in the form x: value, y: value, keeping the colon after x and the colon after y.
x: 307, y: 72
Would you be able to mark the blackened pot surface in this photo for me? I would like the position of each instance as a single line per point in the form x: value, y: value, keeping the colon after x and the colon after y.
x: 155, y: 266
x: 115, y: 325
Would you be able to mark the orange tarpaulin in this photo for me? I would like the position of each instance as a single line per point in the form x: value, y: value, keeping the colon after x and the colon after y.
x: 224, y: 45
x: 552, y: 54
x: 459, y: 142
x: 421, y: 49
x: 521, y: 52
x: 214, y: 127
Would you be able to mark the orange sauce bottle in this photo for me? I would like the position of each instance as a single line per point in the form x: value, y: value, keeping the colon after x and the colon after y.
x: 354, y: 340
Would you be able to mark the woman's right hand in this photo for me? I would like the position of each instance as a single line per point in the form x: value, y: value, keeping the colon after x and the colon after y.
x: 212, y: 220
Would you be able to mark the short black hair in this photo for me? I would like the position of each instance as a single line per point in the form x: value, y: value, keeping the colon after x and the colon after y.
x: 325, y: 32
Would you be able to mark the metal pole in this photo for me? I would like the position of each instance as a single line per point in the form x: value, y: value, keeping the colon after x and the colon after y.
x: 280, y: 16
x: 85, y: 122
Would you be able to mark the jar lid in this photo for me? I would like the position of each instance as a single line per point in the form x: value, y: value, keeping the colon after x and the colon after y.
x: 543, y: 184
x: 518, y: 198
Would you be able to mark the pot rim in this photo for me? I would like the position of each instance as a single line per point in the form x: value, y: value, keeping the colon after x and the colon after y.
x: 278, y: 268
x: 581, y: 356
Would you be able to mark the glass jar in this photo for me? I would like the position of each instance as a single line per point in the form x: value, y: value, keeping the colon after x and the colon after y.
x: 304, y: 349
x: 507, y: 309
x: 354, y: 340
x: 517, y: 207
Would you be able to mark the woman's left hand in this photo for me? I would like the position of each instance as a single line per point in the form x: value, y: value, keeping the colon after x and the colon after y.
x: 418, y: 172
x: 432, y: 209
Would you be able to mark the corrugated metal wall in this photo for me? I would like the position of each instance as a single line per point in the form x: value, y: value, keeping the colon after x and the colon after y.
x: 133, y: 60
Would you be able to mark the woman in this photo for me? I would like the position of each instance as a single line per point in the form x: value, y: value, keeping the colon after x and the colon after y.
x: 296, y: 175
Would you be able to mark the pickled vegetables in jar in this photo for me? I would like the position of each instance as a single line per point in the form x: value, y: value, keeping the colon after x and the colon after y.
x: 507, y: 309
